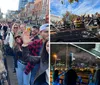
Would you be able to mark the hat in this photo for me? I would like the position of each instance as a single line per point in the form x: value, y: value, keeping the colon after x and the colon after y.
x: 17, y: 35
x: 35, y: 27
x: 44, y: 26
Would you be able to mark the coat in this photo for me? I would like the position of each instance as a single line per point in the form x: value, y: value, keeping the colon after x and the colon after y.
x: 40, y: 78
x: 41, y: 74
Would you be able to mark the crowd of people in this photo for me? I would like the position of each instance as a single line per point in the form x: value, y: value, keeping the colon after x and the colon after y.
x: 72, y: 78
x: 82, y: 21
x: 29, y: 49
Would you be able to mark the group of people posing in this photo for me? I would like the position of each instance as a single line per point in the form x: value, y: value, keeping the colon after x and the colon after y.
x: 30, y: 51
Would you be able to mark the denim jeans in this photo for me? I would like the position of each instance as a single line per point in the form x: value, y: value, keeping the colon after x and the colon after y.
x: 23, y: 79
x: 33, y: 73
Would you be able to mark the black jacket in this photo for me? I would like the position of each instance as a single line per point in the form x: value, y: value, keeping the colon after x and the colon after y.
x: 40, y: 78
x: 70, y: 77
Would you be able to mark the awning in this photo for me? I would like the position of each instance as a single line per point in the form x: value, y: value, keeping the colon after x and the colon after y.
x: 92, y: 52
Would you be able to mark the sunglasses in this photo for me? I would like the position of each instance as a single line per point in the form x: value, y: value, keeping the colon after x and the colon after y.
x: 16, y: 27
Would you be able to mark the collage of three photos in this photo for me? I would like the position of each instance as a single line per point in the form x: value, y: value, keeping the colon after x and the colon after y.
x: 50, y: 42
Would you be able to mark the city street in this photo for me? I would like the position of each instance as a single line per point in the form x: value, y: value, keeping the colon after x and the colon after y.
x: 12, y: 78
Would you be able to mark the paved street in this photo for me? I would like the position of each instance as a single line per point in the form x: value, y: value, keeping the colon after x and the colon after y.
x: 12, y: 76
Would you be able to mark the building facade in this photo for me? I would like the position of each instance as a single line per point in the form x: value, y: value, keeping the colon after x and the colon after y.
x: 37, y: 11
x: 1, y: 14
x: 29, y: 11
x: 45, y: 10
x: 11, y: 14
x: 54, y: 18
x: 22, y: 4
x: 29, y: 8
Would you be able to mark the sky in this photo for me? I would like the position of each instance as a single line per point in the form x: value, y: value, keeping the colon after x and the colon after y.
x: 80, y: 8
x: 8, y: 5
